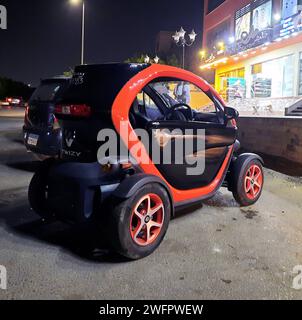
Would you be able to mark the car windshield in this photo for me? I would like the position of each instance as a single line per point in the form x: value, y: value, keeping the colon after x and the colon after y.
x: 47, y: 91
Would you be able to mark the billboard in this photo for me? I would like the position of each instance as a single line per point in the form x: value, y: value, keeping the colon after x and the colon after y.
x: 289, y: 8
x: 262, y: 16
x: 243, y: 26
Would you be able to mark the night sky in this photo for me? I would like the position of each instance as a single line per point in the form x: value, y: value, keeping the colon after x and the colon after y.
x: 44, y: 37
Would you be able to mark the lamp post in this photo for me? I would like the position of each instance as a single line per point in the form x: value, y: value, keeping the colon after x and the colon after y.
x: 76, y: 3
x: 148, y: 59
x: 180, y: 39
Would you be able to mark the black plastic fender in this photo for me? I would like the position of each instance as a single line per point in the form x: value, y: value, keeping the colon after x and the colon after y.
x: 129, y: 186
x: 237, y: 163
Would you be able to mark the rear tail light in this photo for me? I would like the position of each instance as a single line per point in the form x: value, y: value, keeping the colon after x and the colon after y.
x: 75, y: 110
x: 26, y: 121
x: 56, y: 124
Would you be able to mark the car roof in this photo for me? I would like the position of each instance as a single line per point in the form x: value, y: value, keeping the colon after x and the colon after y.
x: 56, y: 79
x: 130, y: 68
x: 98, y: 84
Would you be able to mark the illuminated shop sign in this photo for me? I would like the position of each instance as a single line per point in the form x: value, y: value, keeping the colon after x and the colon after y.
x: 252, y: 40
x: 253, y: 26
x: 289, y: 26
x: 289, y: 8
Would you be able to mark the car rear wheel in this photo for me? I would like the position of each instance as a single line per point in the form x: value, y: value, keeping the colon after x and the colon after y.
x: 248, y: 184
x: 139, y: 224
x: 38, y: 191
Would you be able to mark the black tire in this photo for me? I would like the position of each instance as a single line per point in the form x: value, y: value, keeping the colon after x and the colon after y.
x: 239, y: 189
x: 121, y: 216
x: 37, y: 192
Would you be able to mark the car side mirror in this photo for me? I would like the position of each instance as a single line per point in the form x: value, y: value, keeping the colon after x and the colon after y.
x: 231, y: 113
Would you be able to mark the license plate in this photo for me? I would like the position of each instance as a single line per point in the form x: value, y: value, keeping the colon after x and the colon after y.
x: 33, y: 140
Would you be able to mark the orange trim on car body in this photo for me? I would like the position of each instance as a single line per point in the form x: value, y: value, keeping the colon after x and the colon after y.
x: 120, y: 113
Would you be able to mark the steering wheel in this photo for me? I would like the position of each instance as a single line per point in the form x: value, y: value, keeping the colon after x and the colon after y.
x: 184, y: 108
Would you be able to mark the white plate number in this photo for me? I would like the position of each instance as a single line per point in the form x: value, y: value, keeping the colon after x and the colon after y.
x: 33, y: 140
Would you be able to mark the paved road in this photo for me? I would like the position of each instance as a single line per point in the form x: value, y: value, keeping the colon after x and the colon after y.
x: 12, y: 113
x: 214, y: 251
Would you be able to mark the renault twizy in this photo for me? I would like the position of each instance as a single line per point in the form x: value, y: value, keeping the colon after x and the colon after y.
x: 133, y: 200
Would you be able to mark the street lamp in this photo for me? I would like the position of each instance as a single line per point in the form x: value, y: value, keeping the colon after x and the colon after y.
x: 148, y: 59
x: 180, y: 39
x: 76, y: 3
x: 156, y: 59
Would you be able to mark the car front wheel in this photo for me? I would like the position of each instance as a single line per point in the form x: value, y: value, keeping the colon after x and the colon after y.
x: 248, y: 184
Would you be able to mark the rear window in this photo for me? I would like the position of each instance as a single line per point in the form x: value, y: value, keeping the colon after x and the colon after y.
x: 47, y: 91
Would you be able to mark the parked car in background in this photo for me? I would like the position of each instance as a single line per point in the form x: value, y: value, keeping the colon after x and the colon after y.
x: 13, y: 102
x: 42, y: 134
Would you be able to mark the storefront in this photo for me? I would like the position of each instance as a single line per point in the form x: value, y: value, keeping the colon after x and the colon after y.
x: 275, y: 74
x: 262, y: 59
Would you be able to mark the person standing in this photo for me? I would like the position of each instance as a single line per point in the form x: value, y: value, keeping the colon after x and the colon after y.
x: 182, y: 93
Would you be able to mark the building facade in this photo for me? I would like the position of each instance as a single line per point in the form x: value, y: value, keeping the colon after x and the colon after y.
x: 254, y: 48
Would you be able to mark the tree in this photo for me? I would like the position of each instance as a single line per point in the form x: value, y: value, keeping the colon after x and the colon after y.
x: 173, y: 61
x: 140, y: 58
x: 68, y: 73
x: 137, y: 58
x: 11, y: 88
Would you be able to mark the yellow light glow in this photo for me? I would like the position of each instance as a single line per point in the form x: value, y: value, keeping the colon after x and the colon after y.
x: 202, y: 53
x: 75, y: 2
x: 214, y: 63
x: 221, y: 47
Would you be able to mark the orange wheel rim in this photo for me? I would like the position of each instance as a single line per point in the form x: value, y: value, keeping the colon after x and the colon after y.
x: 253, y: 182
x: 147, y: 219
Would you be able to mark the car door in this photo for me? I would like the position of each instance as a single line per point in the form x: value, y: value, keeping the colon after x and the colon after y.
x: 189, y: 153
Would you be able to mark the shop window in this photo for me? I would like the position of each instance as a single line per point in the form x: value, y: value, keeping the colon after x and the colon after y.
x: 232, y: 84
x: 218, y: 34
x: 257, y: 68
x: 273, y: 78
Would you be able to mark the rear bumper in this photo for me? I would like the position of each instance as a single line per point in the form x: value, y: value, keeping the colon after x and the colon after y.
x: 77, y: 190
x: 49, y: 142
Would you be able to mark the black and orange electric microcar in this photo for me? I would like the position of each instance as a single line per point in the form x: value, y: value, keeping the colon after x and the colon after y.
x: 134, y: 200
